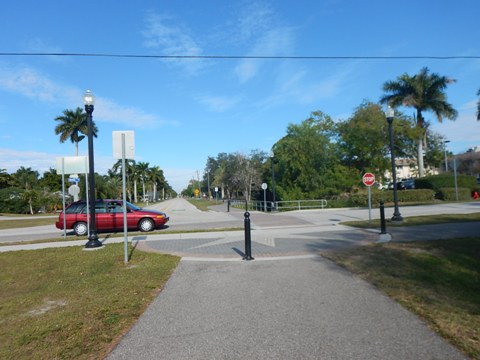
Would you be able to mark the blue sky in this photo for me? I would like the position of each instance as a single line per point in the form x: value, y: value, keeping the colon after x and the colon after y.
x: 184, y: 110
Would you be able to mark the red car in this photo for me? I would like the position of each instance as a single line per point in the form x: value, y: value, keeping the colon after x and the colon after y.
x: 109, y: 216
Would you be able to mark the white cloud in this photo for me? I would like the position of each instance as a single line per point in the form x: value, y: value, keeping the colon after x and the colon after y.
x: 218, y: 103
x: 275, y: 42
x: 179, y: 179
x: 164, y: 33
x: 31, y: 83
x: 463, y: 132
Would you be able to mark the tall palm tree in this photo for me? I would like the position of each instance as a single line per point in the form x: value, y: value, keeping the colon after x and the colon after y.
x: 129, y: 174
x: 424, y: 92
x: 157, y: 178
x: 142, y: 170
x: 73, y: 123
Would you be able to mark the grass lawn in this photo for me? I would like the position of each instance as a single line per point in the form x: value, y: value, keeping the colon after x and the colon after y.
x: 437, y: 280
x: 417, y: 220
x: 27, y: 222
x: 70, y: 303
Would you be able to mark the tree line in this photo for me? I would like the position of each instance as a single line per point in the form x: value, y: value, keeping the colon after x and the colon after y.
x: 320, y: 158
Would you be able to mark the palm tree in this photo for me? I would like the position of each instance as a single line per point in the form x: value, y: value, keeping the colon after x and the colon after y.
x: 424, y: 92
x: 157, y: 178
x: 142, y: 170
x: 129, y: 174
x: 72, y: 124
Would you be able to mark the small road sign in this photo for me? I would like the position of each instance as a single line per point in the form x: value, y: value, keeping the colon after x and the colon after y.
x: 368, y: 179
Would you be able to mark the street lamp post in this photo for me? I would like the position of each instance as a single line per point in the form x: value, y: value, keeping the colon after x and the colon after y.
x: 396, y: 213
x: 274, y: 207
x: 445, y: 142
x: 93, y: 242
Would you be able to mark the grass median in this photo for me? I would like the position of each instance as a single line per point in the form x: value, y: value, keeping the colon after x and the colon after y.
x: 437, y: 280
x: 70, y: 303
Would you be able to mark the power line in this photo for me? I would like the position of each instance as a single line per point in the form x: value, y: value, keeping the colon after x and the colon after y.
x: 260, y: 57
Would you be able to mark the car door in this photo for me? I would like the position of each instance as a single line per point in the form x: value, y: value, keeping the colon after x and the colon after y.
x: 115, y: 211
x: 101, y: 216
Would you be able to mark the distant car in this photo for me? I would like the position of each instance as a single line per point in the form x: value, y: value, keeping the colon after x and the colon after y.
x: 400, y: 185
x: 408, y: 183
x: 109, y: 216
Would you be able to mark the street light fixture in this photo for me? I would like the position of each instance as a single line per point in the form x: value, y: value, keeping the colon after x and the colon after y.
x: 445, y: 151
x: 93, y: 242
x: 396, y: 213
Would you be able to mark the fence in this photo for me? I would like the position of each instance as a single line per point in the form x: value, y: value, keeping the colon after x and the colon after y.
x: 281, y: 205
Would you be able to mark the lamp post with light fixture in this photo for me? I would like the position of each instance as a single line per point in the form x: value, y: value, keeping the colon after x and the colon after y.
x: 396, y: 213
x: 93, y: 242
x: 445, y: 142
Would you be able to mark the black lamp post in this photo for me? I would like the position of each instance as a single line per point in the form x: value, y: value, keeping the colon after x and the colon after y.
x: 396, y: 213
x: 93, y: 242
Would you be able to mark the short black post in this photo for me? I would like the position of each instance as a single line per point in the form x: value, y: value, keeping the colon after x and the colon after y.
x: 382, y: 218
x: 228, y: 205
x: 248, y: 238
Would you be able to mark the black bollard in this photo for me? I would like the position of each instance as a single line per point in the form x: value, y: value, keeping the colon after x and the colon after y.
x: 382, y: 219
x: 228, y: 205
x: 248, y: 239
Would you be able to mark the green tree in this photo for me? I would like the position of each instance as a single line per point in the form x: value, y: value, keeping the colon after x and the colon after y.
x: 51, y: 180
x: 142, y: 170
x: 307, y: 165
x: 26, y: 178
x: 424, y: 92
x: 72, y: 124
x: 5, y: 179
x: 130, y: 175
x: 158, y: 181
x: 362, y: 142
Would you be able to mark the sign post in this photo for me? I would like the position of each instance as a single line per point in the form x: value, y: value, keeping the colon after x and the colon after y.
x: 124, y: 148
x: 368, y: 180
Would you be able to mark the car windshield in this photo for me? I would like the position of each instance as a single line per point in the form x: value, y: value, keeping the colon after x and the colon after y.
x: 133, y: 207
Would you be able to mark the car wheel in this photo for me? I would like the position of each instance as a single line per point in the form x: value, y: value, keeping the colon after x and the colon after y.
x: 146, y: 225
x: 80, y: 228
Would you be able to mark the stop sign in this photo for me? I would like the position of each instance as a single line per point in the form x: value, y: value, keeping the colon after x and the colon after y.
x: 368, y: 179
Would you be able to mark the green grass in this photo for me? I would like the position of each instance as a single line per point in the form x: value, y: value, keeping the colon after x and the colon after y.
x: 69, y: 303
x: 437, y: 280
x: 417, y: 220
x: 204, y: 204
x: 27, y: 222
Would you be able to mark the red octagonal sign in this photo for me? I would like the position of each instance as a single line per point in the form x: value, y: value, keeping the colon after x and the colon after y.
x: 368, y: 179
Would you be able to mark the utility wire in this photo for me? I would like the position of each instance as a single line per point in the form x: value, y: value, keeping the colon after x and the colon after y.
x: 407, y: 57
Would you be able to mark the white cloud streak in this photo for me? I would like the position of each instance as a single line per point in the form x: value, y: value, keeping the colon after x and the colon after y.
x: 30, y: 83
x: 218, y: 104
x: 164, y: 33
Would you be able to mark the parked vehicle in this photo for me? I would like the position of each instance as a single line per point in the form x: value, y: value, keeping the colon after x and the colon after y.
x: 109, y: 216
x: 400, y: 185
x: 408, y: 183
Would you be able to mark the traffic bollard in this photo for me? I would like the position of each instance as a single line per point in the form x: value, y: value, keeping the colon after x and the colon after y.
x: 383, y: 228
x: 248, y: 239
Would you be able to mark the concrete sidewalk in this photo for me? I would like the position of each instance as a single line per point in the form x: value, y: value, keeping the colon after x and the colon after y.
x: 283, y: 309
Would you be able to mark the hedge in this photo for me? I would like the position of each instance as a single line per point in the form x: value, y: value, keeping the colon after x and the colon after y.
x: 414, y: 195
x: 449, y: 194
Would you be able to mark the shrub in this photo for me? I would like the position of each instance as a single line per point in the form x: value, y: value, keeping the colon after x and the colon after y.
x: 449, y: 194
x: 436, y: 182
